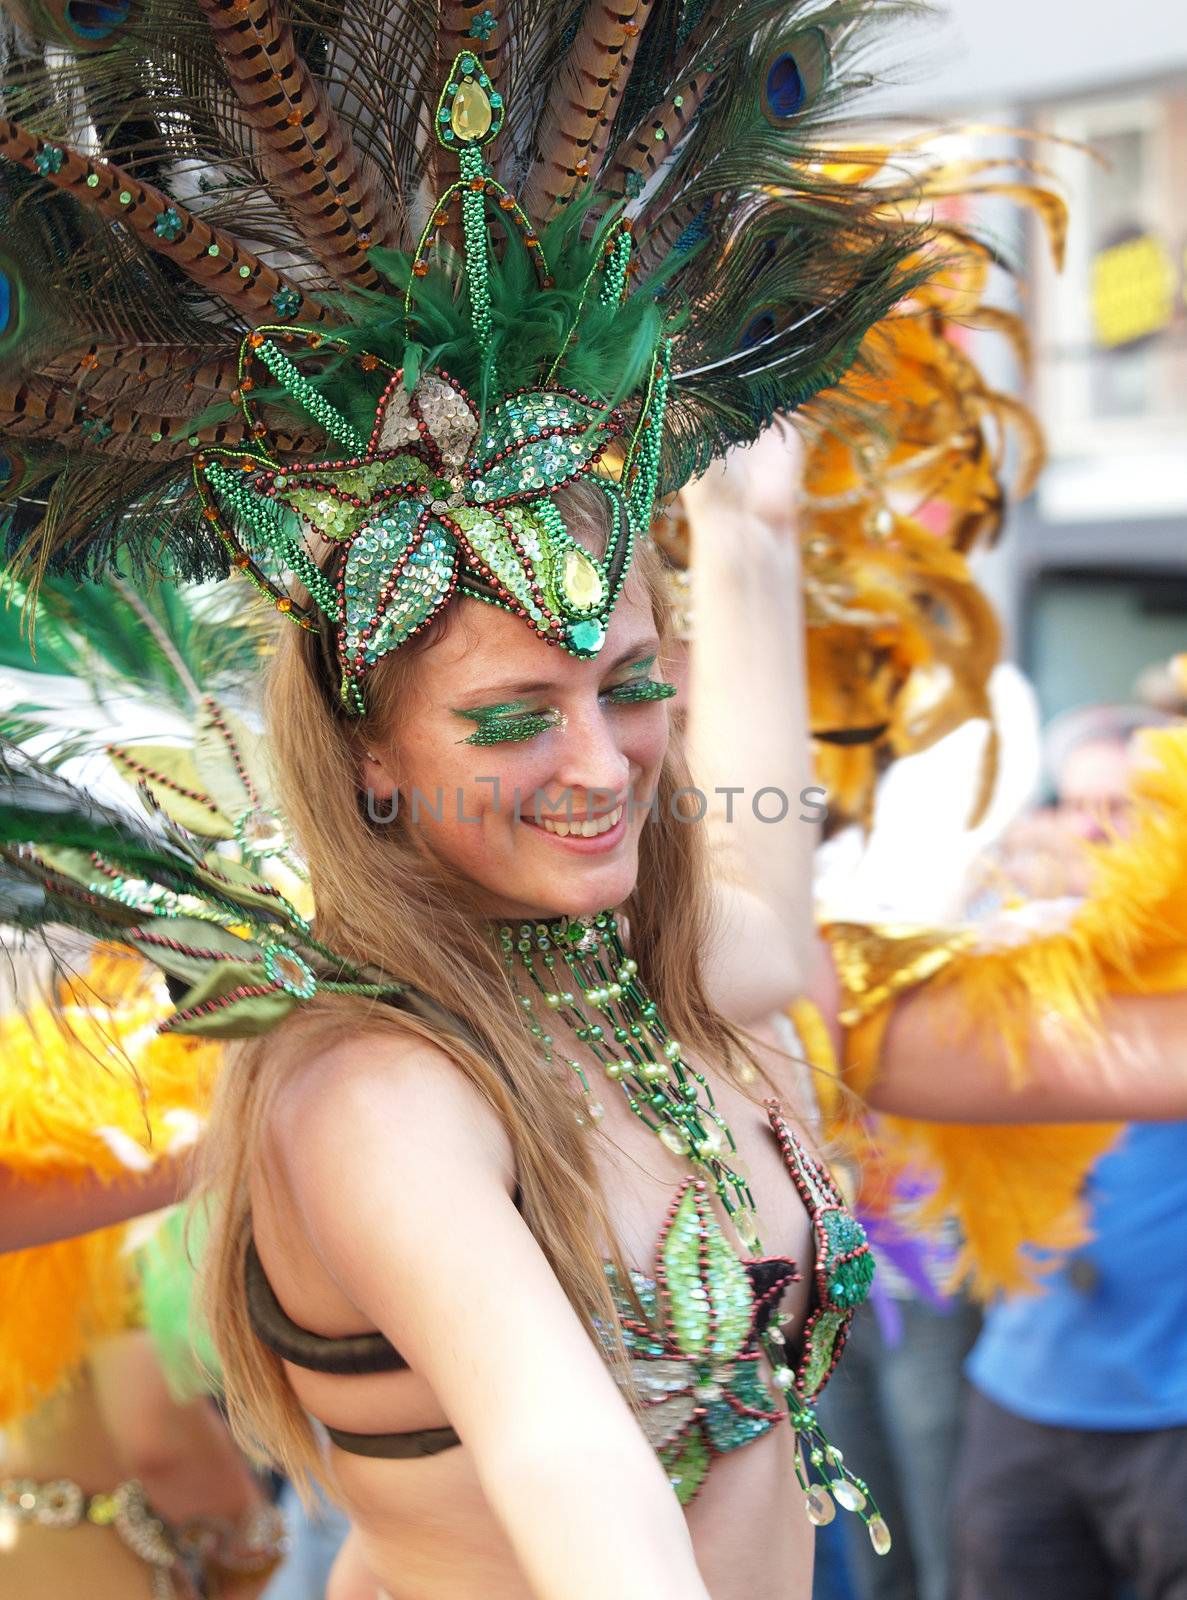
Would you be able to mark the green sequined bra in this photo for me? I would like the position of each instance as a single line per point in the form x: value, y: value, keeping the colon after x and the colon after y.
x: 698, y: 1356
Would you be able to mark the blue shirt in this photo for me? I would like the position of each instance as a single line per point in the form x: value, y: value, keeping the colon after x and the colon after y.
x: 1105, y: 1346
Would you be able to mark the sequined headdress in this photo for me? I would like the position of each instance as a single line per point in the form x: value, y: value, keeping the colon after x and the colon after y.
x: 343, y: 295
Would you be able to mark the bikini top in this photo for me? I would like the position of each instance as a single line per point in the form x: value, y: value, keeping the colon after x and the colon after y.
x: 695, y: 1355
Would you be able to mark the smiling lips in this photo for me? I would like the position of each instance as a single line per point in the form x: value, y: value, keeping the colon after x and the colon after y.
x: 581, y: 827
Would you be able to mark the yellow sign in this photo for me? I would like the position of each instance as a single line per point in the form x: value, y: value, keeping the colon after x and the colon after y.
x: 1133, y: 291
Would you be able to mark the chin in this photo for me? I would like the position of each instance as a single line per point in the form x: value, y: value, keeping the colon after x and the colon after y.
x: 578, y: 891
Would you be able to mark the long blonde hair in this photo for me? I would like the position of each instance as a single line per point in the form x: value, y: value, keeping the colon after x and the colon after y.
x: 381, y: 903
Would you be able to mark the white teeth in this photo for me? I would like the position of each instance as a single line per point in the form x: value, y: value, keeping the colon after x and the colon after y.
x: 587, y: 828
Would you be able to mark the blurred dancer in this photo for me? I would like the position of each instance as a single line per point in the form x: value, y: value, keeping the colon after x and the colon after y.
x: 118, y: 1477
x: 1073, y: 1468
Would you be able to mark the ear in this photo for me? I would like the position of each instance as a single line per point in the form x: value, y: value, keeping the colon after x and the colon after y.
x: 376, y: 773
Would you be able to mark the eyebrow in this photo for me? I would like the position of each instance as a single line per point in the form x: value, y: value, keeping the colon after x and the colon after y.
x: 640, y: 651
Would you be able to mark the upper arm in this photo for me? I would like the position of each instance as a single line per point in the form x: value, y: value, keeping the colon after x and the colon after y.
x: 401, y: 1178
x: 936, y: 1064
x: 752, y: 963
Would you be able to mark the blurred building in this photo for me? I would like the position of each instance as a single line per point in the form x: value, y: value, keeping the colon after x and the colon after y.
x: 1092, y: 576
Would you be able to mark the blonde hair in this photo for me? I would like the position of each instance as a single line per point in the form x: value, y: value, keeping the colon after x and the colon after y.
x: 381, y: 903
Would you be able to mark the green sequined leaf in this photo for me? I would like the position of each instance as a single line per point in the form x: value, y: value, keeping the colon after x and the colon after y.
x: 688, y: 1468
x: 729, y: 1429
x: 198, y: 935
x: 226, y: 751
x: 687, y: 1298
x: 247, y: 889
x: 226, y: 1018
x: 847, y: 1282
x: 169, y: 776
x: 425, y: 585
x: 537, y: 455
x: 402, y: 529
x: 489, y: 542
x: 335, y: 517
x: 748, y: 1386
x: 820, y: 1345
x: 79, y: 867
x: 730, y: 1293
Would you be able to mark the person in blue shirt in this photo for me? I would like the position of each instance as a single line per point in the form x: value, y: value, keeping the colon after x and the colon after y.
x: 1072, y: 1476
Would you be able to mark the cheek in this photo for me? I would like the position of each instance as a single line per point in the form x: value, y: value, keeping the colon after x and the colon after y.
x: 645, y: 743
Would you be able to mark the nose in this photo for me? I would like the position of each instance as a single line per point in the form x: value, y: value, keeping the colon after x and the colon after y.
x: 590, y: 759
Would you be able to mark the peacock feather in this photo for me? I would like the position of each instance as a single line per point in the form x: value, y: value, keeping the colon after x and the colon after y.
x: 178, y: 174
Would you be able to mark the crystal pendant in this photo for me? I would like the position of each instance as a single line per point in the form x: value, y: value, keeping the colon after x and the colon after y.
x: 582, y: 582
x: 879, y: 1536
x: 847, y: 1494
x: 674, y: 1139
x: 746, y: 1228
x: 710, y: 1142
x: 470, y: 116
x: 819, y: 1506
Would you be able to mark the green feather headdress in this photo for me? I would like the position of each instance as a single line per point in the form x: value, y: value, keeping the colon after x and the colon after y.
x: 285, y: 291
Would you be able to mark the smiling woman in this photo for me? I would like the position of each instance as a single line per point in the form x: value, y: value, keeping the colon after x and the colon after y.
x: 573, y: 797
x: 494, y: 1196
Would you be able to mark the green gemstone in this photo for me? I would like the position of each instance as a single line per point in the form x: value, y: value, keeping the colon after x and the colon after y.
x: 586, y: 637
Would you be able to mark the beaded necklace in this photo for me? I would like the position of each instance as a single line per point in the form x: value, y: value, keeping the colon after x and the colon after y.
x: 579, y: 972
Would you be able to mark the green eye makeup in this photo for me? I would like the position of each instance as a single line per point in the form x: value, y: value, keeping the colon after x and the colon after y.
x: 640, y: 689
x: 643, y: 689
x: 508, y: 723
x: 514, y: 720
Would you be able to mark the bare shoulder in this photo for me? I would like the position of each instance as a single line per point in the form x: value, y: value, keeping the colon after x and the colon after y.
x: 345, y: 1092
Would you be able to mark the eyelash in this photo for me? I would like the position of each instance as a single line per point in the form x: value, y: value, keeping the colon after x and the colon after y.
x: 497, y: 725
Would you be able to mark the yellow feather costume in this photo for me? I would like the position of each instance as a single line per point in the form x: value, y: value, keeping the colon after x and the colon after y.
x: 1009, y: 1186
x: 86, y: 1087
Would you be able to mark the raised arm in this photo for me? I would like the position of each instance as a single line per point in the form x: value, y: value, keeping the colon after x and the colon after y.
x: 400, y: 1175
x: 934, y: 1065
x: 748, y: 724
x: 36, y: 1211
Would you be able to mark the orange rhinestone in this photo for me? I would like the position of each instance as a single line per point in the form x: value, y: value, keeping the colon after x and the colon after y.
x: 313, y: 341
x: 293, y: 119
x: 630, y: 29
x: 247, y: 465
x: 247, y: 385
x: 478, y: 183
x: 507, y: 201
x: 239, y: 561
x: 531, y: 241
x: 258, y: 431
x: 255, y: 340
x: 284, y: 605
x: 582, y: 169
x: 211, y: 516
x: 369, y: 363
x: 550, y: 282
x: 420, y: 268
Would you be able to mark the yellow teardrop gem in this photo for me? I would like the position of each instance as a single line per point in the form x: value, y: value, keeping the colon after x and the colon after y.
x: 582, y: 582
x: 611, y: 462
x: 471, y: 114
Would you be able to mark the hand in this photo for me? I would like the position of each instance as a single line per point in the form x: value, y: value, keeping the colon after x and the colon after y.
x: 761, y: 480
